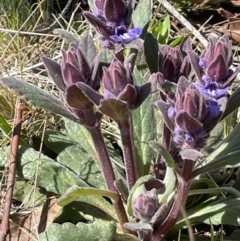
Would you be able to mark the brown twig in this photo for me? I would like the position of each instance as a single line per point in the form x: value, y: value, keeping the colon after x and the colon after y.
x: 12, y: 170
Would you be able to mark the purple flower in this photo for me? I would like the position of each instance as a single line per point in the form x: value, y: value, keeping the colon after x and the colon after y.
x: 213, y: 109
x: 211, y: 89
x: 123, y: 35
x: 212, y: 69
x: 75, y: 76
x: 191, y: 116
x: 111, y: 20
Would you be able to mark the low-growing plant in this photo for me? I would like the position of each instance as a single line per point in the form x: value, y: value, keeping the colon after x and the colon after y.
x: 165, y: 105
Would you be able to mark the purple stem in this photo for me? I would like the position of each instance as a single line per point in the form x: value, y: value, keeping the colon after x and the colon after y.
x: 107, y: 171
x: 126, y: 131
x: 180, y: 199
x: 166, y: 139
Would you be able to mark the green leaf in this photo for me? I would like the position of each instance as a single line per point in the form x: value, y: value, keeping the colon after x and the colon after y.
x: 170, y: 181
x: 27, y: 194
x: 157, y: 147
x: 161, y: 30
x: 7, y: 130
x: 126, y: 237
x: 165, y: 30
x: 51, y: 175
x: 78, y: 133
x: 87, y: 46
x: 100, y: 203
x: 142, y: 13
x: 96, y: 231
x: 215, y: 191
x: 72, y: 155
x: 177, y: 41
x: 66, y: 35
x: 75, y: 192
x: 143, y: 123
x: 233, y: 103
x: 80, y: 211
x: 223, y: 211
x: 107, y: 56
x: 151, y: 52
x: 37, y: 96
x: 226, y: 155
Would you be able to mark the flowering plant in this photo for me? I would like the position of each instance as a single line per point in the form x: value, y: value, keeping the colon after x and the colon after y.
x: 140, y: 194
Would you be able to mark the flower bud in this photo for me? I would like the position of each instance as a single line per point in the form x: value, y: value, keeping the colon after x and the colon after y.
x: 116, y: 77
x: 145, y: 205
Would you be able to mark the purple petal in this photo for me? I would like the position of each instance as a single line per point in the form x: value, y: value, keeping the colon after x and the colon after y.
x: 126, y: 36
x: 213, y: 109
x: 203, y: 63
x: 171, y: 112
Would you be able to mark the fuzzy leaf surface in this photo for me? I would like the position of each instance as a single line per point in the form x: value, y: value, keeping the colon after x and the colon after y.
x: 233, y: 103
x: 143, y: 124
x: 87, y: 46
x: 151, y: 52
x: 75, y: 192
x: 96, y: 231
x: 142, y: 13
x: 66, y: 35
x: 226, y: 155
x: 37, y: 96
x: 157, y: 147
x: 51, y: 175
x: 223, y: 211
x: 75, y: 157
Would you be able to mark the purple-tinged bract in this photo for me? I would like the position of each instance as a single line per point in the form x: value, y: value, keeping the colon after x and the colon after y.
x: 111, y: 20
x: 212, y: 69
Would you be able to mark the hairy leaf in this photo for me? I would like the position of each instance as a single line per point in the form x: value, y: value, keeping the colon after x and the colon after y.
x: 143, y: 13
x: 66, y: 35
x: 143, y: 124
x: 51, y: 175
x: 74, y: 156
x: 80, y: 134
x: 223, y: 211
x: 151, y: 52
x: 37, y: 97
x: 73, y: 193
x: 233, y: 103
x: 90, y: 208
x: 96, y: 231
x: 157, y: 147
x: 88, y: 47
x: 79, y: 211
x: 226, y: 155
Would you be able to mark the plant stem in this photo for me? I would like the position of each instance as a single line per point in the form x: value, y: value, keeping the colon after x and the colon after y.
x: 126, y: 132
x: 107, y: 171
x: 179, y: 201
x: 12, y: 170
x: 166, y: 138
